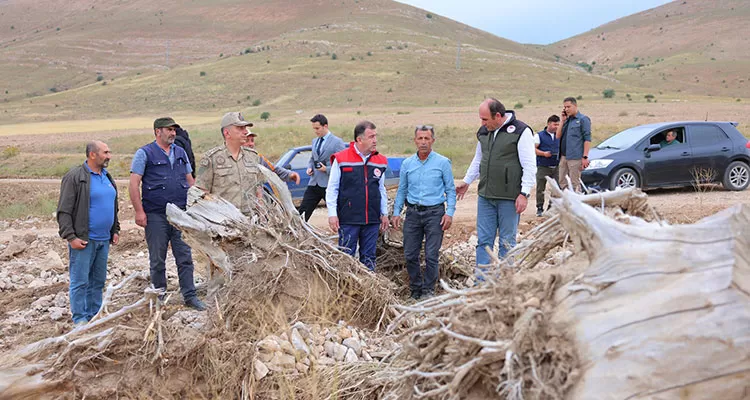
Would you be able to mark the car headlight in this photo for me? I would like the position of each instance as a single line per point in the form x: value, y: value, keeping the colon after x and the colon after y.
x: 598, y: 164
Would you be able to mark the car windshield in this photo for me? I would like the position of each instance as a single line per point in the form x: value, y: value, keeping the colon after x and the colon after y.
x: 626, y: 138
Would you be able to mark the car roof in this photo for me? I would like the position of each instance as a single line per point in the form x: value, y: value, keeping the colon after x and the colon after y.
x: 658, y: 125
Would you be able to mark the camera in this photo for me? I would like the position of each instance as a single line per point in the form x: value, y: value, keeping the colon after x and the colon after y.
x: 318, y: 164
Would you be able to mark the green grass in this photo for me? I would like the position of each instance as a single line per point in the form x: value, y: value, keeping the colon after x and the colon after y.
x: 42, y: 206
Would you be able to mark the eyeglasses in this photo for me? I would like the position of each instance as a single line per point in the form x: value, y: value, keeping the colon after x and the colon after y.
x: 424, y: 128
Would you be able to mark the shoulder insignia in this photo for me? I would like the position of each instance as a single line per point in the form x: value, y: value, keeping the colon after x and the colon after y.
x: 220, y: 160
x: 213, y: 151
x: 249, y: 149
x: 205, y: 162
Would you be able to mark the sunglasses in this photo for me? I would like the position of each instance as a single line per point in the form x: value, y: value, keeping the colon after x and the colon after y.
x: 424, y: 127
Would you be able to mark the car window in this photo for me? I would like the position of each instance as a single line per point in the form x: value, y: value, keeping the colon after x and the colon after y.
x: 300, y: 160
x: 661, y: 136
x: 626, y: 138
x: 706, y: 135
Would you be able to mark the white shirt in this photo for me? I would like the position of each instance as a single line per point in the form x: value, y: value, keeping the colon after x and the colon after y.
x: 538, y: 141
x: 332, y: 191
x: 526, y: 155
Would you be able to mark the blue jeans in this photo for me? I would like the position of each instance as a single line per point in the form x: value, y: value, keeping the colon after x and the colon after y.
x: 88, y: 271
x: 159, y: 234
x: 423, y: 223
x: 494, y: 216
x: 366, y: 235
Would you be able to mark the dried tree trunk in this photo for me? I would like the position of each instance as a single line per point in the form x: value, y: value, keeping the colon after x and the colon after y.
x: 663, y: 311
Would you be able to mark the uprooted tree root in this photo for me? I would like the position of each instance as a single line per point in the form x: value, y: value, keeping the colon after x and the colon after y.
x: 265, y: 271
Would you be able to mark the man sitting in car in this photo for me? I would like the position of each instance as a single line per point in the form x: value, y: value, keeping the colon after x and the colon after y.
x: 671, y: 138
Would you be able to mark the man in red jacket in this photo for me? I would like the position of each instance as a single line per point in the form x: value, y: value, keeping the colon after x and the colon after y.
x: 356, y: 197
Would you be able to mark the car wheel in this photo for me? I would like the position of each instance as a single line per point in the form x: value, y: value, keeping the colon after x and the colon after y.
x: 624, y: 178
x: 737, y: 176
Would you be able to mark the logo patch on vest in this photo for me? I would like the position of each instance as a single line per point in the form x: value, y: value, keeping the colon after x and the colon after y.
x: 377, y: 172
x: 511, y: 129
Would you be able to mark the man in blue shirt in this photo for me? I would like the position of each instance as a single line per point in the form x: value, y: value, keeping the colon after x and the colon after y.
x: 574, y: 133
x: 166, y: 174
x: 425, y: 186
x: 87, y: 216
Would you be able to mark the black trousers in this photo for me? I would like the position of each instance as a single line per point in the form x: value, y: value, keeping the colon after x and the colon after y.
x: 310, y: 200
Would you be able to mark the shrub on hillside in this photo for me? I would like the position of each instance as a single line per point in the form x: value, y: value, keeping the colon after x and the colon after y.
x: 203, y: 73
x: 256, y: 103
x: 608, y: 93
x: 265, y: 115
x: 518, y: 105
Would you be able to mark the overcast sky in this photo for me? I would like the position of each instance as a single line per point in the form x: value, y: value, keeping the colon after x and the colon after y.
x: 535, y: 21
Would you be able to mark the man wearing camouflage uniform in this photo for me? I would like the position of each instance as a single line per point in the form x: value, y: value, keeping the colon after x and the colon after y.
x: 231, y: 170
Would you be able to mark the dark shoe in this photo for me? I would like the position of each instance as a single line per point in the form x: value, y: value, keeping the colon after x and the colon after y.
x: 195, y: 304
x: 416, y: 294
x: 427, y: 295
x: 539, y: 212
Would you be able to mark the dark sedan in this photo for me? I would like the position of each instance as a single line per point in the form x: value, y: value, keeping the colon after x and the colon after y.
x: 670, y: 154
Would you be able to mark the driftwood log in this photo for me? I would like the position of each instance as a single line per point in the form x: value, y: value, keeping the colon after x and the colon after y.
x: 663, y: 312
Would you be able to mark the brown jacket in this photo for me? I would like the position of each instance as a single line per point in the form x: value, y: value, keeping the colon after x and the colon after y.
x: 73, y: 206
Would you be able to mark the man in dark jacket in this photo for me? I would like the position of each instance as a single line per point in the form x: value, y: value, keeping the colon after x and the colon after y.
x: 87, y: 216
x: 547, y: 149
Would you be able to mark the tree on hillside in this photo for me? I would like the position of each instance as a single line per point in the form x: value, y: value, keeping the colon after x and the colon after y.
x: 265, y: 115
x: 608, y: 93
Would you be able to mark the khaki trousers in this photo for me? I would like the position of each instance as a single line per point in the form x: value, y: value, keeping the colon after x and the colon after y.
x: 571, y: 168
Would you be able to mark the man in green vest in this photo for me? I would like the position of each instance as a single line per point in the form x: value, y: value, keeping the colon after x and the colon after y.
x: 505, y: 162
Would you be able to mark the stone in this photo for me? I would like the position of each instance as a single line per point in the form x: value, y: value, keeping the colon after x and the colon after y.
x: 53, y: 261
x: 339, y: 352
x: 353, y: 344
x: 36, y: 283
x: 333, y: 337
x: 265, y: 357
x: 61, y: 300
x: 298, y: 342
x: 287, y: 347
x: 302, y: 330
x: 302, y: 368
x: 57, y: 313
x: 350, y: 357
x: 366, y: 356
x: 329, y: 348
x: 281, y: 362
x: 13, y: 249
x: 326, y: 361
x: 345, y: 333
x: 260, y: 370
x: 268, y: 346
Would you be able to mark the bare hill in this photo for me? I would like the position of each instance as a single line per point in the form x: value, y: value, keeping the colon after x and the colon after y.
x: 695, y: 46
x: 88, y: 59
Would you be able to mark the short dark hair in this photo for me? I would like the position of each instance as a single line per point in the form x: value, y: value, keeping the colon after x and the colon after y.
x: 571, y: 99
x: 553, y: 118
x: 495, y: 106
x: 424, y: 128
x: 361, y: 127
x: 320, y: 118
x: 91, y: 147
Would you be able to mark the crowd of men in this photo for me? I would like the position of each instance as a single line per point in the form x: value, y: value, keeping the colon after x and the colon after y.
x: 509, y: 160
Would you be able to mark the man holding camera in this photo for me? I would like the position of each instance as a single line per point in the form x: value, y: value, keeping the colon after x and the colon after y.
x: 324, y: 146
x: 574, y: 133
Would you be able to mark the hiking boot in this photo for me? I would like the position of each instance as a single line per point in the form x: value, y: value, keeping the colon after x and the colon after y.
x: 539, y: 212
x: 195, y: 304
x: 427, y: 295
x: 415, y: 294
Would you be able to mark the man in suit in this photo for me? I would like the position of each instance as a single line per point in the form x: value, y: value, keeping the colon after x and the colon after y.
x: 324, y: 146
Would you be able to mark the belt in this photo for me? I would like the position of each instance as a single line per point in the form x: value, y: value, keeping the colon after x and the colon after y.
x: 423, y: 208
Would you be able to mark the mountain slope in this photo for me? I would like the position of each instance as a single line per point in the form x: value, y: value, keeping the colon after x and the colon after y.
x: 699, y: 47
x: 284, y: 54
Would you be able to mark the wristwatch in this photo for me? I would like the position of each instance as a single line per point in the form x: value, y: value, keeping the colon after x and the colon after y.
x: 585, y: 157
x: 525, y: 194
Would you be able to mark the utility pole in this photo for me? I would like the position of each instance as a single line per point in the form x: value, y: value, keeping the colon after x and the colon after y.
x: 458, y: 56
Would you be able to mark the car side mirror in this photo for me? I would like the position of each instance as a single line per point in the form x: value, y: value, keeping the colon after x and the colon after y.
x: 653, y: 147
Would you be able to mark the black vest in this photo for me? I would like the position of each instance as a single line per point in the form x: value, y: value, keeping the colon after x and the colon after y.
x: 500, y: 169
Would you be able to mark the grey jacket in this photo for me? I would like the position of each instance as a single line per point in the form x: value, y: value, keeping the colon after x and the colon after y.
x: 73, y: 206
x: 330, y: 146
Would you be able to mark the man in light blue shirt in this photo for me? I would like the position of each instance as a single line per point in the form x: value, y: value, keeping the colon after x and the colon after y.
x: 425, y: 186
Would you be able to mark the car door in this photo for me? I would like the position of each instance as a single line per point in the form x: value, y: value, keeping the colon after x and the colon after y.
x: 670, y: 165
x: 711, y: 149
x: 298, y: 164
